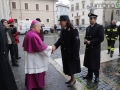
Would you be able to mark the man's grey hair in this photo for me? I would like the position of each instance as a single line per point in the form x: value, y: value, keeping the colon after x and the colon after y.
x: 33, y: 25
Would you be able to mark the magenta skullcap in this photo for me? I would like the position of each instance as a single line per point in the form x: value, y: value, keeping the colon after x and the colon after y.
x: 34, y: 22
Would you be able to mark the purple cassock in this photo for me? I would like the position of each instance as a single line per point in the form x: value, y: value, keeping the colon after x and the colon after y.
x: 34, y: 61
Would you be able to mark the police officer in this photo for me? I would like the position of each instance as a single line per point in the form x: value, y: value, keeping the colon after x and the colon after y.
x: 93, y: 38
x: 70, y: 45
x: 111, y: 33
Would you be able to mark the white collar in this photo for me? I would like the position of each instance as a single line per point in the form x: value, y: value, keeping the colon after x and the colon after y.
x: 92, y: 25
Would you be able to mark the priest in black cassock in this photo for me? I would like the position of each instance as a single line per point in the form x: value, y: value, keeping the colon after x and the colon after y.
x: 7, y: 81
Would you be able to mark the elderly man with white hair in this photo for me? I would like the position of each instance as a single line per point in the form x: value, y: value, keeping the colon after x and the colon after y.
x: 37, y: 55
x: 111, y: 33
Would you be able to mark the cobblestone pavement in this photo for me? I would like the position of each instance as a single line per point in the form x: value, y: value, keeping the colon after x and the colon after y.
x: 54, y: 80
x: 109, y: 77
x: 90, y: 85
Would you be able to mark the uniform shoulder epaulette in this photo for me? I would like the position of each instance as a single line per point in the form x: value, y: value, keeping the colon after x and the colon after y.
x: 68, y: 29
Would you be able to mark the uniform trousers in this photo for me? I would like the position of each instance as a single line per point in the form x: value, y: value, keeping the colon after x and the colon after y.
x: 16, y: 50
x: 12, y: 52
x: 90, y: 73
x: 111, y: 44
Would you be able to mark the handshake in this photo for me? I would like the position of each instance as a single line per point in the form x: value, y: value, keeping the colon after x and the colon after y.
x: 53, y: 48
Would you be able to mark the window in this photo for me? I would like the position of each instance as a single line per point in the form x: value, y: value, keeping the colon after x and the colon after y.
x: 72, y: 21
x: 27, y: 19
x: 83, y: 13
x: 47, y: 20
x: 77, y: 6
x: 72, y: 7
x: 26, y: 5
x: 47, y: 7
x: 118, y: 12
x: 83, y: 21
x: 37, y: 6
x: 61, y: 9
x: 72, y: 15
x: 16, y: 21
x: 77, y: 14
x: 14, y: 5
x: 83, y: 5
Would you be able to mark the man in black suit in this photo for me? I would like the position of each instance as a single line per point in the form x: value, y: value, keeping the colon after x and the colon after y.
x: 93, y: 39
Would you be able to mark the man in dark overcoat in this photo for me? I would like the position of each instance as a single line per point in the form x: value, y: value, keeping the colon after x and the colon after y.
x: 7, y: 81
x: 93, y: 38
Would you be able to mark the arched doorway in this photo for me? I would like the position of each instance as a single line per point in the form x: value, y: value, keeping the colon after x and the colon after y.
x: 77, y: 22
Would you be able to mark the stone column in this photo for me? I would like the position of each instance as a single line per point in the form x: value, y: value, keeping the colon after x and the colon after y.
x: 1, y: 10
x: 5, y: 9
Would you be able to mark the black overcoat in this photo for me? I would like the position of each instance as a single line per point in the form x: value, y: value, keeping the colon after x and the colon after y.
x: 7, y: 81
x: 70, y: 45
x: 95, y: 35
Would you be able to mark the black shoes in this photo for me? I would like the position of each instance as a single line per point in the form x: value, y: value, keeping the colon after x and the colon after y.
x: 68, y: 82
x: 108, y: 53
x: 18, y: 58
x: 71, y: 85
x: 96, y: 80
x: 15, y: 64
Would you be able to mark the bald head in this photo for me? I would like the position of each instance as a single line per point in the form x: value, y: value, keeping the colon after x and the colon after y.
x: 113, y: 22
